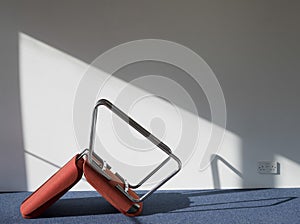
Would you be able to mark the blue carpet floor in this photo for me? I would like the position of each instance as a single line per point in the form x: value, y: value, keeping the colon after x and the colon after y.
x: 210, y: 206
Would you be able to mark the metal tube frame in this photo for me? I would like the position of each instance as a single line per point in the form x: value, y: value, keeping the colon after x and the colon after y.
x: 94, y: 159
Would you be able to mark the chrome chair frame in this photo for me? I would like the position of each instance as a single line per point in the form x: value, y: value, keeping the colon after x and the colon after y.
x: 101, y: 166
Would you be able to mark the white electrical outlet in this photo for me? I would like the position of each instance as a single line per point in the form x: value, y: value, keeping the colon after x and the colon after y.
x: 268, y: 167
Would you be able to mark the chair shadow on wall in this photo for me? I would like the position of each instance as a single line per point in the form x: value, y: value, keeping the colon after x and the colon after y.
x: 215, y: 159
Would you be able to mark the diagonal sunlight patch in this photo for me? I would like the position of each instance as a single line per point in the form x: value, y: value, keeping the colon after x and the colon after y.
x: 49, y: 79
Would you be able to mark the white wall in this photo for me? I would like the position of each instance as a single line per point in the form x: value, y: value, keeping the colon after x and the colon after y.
x: 251, y: 46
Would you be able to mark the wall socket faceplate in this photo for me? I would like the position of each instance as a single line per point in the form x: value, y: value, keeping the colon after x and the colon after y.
x: 268, y: 167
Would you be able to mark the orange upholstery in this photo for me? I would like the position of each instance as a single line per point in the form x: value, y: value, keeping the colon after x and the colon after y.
x: 52, y: 189
x: 65, y: 178
x: 107, y: 188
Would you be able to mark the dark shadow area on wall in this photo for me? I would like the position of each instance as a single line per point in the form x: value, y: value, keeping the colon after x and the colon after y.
x: 12, y: 160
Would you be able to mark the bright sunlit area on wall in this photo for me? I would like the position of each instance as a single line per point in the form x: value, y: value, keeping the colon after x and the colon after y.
x: 49, y: 79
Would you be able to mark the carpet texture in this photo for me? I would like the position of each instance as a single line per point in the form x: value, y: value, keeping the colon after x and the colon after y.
x: 209, y: 206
